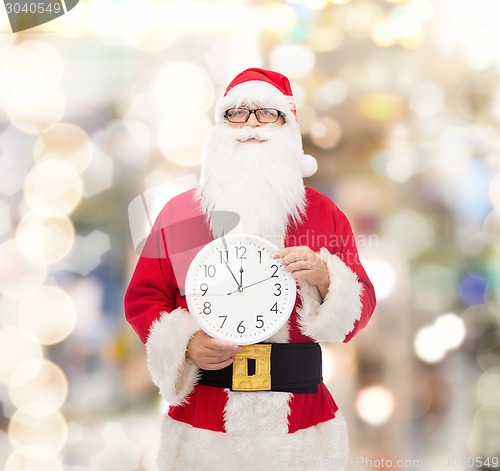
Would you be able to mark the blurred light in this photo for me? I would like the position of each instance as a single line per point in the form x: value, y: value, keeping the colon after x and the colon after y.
x: 488, y: 386
x: 48, y: 314
x: 329, y: 365
x: 5, y: 221
x: 427, y: 99
x: 32, y: 459
x: 488, y: 350
x: 495, y: 191
x: 296, y: 61
x: 410, y: 231
x: 38, y: 381
x: 29, y: 70
x: 181, y: 88
x: 472, y: 289
x: 381, y: 106
x: 324, y: 39
x: 53, y: 188
x: 428, y: 345
x: 340, y: 2
x: 38, y: 113
x: 330, y: 93
x: 39, y: 429
x: 433, y: 342
x: 434, y: 287
x: 484, y: 437
x: 18, y: 276
x: 451, y: 329
x: 67, y: 142
x: 181, y: 137
x: 382, y: 275
x: 279, y: 18
x: 375, y: 404
x: 44, y: 240
x: 17, y: 347
x: 326, y: 133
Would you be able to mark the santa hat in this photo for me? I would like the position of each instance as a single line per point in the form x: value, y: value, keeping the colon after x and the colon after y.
x: 268, y: 89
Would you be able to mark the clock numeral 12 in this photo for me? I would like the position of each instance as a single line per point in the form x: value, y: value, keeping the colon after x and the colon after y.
x: 240, y: 252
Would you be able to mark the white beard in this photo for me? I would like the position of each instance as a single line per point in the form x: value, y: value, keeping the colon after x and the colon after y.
x: 260, y: 182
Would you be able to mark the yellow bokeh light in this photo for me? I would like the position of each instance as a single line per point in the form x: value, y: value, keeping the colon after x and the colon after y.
x: 340, y: 2
x: 18, y: 276
x: 48, y: 313
x: 495, y: 191
x: 39, y: 112
x: 17, y: 346
x: 39, y: 430
x: 47, y: 386
x: 32, y: 459
x: 181, y: 138
x: 53, y: 188
x: 183, y: 87
x: 381, y: 106
x: 67, y: 142
x: 44, y: 240
x: 375, y: 404
x: 279, y: 18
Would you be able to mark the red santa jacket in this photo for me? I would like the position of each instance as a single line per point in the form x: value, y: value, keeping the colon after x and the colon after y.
x: 156, y: 307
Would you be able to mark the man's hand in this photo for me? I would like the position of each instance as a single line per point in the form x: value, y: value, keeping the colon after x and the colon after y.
x: 209, y: 353
x: 304, y: 264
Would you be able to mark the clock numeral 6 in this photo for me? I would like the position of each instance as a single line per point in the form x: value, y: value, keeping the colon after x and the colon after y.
x: 241, y: 328
x: 278, y: 289
x: 259, y: 321
x: 207, y: 308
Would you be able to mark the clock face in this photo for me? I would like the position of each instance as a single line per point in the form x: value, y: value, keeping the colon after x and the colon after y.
x: 237, y: 292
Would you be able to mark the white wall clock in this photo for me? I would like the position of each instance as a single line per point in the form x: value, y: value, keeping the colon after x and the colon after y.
x: 237, y: 292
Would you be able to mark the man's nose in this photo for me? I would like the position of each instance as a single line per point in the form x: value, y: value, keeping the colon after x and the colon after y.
x: 253, y: 121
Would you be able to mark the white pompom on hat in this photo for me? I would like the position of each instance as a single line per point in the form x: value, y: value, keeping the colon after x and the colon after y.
x: 270, y: 90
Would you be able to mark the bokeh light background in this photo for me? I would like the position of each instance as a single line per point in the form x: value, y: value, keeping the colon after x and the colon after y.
x: 399, y: 101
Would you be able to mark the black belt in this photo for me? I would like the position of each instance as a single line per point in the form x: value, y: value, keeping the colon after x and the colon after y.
x: 286, y: 367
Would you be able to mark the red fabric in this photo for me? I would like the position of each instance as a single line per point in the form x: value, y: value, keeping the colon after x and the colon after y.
x: 158, y: 280
x: 274, y: 78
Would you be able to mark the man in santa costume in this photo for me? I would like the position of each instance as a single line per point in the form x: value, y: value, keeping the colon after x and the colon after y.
x: 253, y: 167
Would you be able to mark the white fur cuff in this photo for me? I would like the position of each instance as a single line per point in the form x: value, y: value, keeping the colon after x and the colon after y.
x: 168, y: 338
x: 333, y: 319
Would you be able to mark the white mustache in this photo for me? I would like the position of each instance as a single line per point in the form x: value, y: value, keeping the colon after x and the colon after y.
x: 248, y: 132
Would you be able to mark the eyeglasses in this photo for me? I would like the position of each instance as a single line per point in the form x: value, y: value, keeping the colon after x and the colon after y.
x: 263, y: 115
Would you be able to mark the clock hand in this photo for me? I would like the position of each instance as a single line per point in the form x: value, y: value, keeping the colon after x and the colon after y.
x: 241, y: 274
x: 248, y: 286
x: 225, y: 263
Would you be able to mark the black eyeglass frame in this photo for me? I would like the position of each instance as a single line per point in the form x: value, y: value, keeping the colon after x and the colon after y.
x: 279, y: 115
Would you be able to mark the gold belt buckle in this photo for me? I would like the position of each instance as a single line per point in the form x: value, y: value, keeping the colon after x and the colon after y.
x: 261, y: 380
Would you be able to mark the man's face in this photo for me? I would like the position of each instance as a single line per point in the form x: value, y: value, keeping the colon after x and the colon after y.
x: 253, y: 116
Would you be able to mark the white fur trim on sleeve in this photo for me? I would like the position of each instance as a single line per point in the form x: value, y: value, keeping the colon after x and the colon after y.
x: 168, y: 338
x: 333, y: 319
